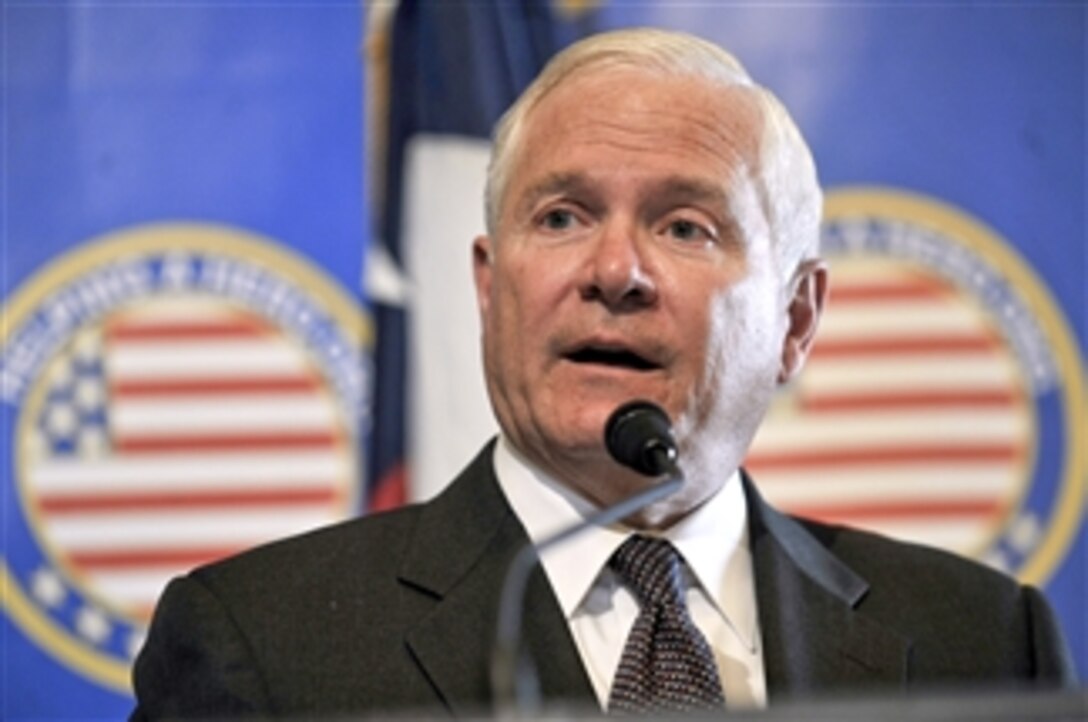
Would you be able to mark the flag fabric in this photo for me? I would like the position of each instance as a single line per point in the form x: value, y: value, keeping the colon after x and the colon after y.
x: 454, y: 68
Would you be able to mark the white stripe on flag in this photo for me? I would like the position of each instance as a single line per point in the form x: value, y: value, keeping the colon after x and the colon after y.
x: 904, y: 374
x: 887, y: 483
x: 910, y: 318
x: 269, y: 470
x: 207, y: 358
x: 174, y: 529
x: 208, y: 414
x: 443, y: 211
x: 892, y: 428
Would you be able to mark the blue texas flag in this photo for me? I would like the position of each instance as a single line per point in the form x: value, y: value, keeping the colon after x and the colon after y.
x: 452, y: 69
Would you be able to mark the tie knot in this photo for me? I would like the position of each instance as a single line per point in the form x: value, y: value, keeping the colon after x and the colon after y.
x: 650, y: 568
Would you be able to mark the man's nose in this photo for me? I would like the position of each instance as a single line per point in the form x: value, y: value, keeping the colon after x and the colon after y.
x: 619, y: 274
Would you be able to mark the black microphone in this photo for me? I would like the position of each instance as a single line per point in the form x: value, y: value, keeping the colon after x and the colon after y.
x: 639, y: 436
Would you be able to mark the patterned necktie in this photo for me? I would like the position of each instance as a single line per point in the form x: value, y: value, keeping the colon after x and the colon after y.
x: 667, y: 665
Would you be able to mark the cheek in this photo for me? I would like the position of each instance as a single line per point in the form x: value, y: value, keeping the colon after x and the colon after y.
x: 743, y: 339
x: 505, y: 321
x: 514, y: 318
x: 530, y: 292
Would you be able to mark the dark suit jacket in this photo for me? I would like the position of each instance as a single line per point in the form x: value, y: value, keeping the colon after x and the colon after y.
x: 398, y: 610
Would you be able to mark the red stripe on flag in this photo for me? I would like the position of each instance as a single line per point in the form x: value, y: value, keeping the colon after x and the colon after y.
x: 907, y: 400
x: 865, y: 293
x: 172, y: 330
x: 56, y: 504
x: 143, y: 558
x: 903, y: 346
x: 920, y: 454
x: 225, y: 442
x: 224, y: 385
x: 898, y: 510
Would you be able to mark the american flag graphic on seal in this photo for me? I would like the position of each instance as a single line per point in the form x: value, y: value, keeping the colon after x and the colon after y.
x: 943, y: 401
x: 177, y: 432
x: 910, y: 418
x: 175, y: 394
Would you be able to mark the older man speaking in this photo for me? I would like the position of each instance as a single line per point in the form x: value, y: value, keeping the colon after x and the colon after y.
x: 653, y: 220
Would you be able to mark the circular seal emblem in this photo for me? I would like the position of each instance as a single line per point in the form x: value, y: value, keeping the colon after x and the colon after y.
x: 944, y: 399
x: 172, y: 394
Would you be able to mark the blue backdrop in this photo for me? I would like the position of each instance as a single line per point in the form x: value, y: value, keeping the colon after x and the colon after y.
x: 251, y: 117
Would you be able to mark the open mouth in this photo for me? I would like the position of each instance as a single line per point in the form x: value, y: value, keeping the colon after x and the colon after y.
x: 617, y: 358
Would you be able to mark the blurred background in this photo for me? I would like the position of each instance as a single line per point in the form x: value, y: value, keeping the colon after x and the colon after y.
x: 237, y: 303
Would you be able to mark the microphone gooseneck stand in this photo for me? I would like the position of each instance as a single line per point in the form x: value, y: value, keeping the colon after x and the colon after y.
x: 637, y: 435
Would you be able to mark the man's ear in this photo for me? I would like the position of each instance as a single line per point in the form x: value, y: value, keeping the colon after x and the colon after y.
x: 806, y: 305
x: 481, y: 273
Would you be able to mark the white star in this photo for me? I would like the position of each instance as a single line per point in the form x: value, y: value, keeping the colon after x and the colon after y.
x: 88, y: 345
x: 1025, y: 532
x: 60, y: 373
x: 61, y: 420
x: 92, y: 624
x: 92, y: 442
x: 47, y: 588
x: 89, y: 395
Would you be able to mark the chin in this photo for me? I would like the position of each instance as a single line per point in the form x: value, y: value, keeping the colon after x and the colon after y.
x: 592, y: 414
x: 578, y: 432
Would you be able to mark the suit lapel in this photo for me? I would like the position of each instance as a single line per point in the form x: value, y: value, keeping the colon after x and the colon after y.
x: 816, y: 636
x: 462, y: 546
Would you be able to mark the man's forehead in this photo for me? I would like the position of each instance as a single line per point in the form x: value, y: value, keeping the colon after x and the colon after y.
x: 688, y: 119
x: 688, y: 134
x: 617, y: 80
x: 594, y: 103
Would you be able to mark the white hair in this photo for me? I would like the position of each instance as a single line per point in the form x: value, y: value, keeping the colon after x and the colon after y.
x: 785, y: 179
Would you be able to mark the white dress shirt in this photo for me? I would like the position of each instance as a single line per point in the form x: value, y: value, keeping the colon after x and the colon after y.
x: 719, y: 585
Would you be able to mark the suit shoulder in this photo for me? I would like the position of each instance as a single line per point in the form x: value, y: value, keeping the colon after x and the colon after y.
x: 370, y: 544
x: 904, y: 564
x: 966, y: 620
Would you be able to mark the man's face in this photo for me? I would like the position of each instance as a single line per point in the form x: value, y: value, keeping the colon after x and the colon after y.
x: 633, y: 261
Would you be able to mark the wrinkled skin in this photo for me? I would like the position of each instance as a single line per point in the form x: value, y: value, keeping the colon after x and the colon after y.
x: 632, y: 260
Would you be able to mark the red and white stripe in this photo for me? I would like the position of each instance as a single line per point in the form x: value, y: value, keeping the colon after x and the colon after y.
x: 223, y: 435
x: 910, y: 417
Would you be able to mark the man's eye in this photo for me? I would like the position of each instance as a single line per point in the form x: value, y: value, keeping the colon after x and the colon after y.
x: 558, y: 220
x: 687, y: 231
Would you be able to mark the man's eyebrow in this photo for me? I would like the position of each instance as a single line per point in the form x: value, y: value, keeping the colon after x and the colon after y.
x: 711, y: 195
x: 552, y: 184
x: 681, y: 187
x: 673, y: 189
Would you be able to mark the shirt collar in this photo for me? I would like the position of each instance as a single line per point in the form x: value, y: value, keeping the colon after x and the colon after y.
x: 713, y: 539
